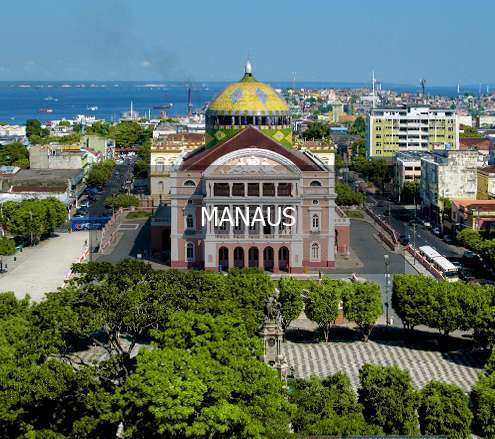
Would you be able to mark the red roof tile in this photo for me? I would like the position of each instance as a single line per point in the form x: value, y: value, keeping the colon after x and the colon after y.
x: 249, y: 137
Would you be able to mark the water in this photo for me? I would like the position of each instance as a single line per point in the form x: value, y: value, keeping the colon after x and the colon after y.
x: 18, y: 103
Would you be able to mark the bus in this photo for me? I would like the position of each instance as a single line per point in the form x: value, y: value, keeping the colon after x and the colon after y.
x: 90, y: 223
x: 439, y: 263
x: 429, y: 253
x: 447, y: 268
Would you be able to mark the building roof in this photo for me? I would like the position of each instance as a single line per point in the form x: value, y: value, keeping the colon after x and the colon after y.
x: 43, y: 189
x: 474, y: 142
x: 250, y: 137
x: 249, y: 97
x: 489, y: 169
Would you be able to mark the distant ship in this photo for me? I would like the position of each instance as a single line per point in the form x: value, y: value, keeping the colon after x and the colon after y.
x: 45, y: 110
x: 51, y: 98
x: 163, y: 106
x: 94, y: 108
x: 167, y: 105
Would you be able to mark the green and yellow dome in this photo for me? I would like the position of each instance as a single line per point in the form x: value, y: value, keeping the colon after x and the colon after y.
x: 248, y: 102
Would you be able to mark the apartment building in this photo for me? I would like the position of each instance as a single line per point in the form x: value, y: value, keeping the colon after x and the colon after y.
x: 447, y: 174
x: 410, y: 128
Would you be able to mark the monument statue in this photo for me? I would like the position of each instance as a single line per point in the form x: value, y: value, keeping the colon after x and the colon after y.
x: 272, y: 308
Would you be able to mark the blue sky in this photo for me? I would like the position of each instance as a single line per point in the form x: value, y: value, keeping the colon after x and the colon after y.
x: 446, y: 42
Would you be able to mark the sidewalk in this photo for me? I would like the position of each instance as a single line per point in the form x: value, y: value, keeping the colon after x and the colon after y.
x: 42, y: 269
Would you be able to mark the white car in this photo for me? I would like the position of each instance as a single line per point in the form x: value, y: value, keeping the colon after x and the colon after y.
x: 435, y: 231
x: 425, y: 223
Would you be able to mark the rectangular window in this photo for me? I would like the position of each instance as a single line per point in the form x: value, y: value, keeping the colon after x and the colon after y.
x: 378, y: 136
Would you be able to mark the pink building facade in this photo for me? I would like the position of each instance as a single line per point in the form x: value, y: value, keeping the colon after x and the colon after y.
x: 250, y: 202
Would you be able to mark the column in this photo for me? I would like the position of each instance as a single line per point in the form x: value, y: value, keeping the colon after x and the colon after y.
x: 261, y: 258
x: 231, y: 256
x: 276, y: 189
x: 276, y: 268
x: 299, y: 220
x: 231, y: 227
x: 275, y: 209
x: 230, y: 189
x: 246, y: 189
x: 246, y: 228
x: 260, y: 189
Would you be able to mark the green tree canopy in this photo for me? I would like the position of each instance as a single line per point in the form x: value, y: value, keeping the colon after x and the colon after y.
x: 322, y: 305
x: 359, y: 147
x: 290, y: 300
x: 363, y: 305
x: 444, y: 410
x: 7, y: 246
x: 483, y: 406
x: 389, y: 399
x: 347, y: 197
x: 141, y: 169
x: 316, y: 130
x: 203, y: 381
x: 14, y: 154
x: 358, y: 127
x: 123, y: 201
x: 470, y: 132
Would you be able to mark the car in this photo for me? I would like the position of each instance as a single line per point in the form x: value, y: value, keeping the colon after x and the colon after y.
x: 448, y: 239
x: 381, y: 204
x: 465, y: 274
x: 425, y: 223
x: 467, y: 254
x: 83, y: 210
x: 386, y: 213
x: 485, y: 282
x: 79, y: 215
x: 405, y: 241
x: 435, y: 231
x: 91, y: 197
x: 85, y: 203
x: 472, y: 280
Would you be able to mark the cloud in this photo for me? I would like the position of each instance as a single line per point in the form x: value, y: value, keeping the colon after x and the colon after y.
x: 145, y: 64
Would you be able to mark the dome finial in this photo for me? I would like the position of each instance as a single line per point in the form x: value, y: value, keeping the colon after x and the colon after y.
x: 248, y: 67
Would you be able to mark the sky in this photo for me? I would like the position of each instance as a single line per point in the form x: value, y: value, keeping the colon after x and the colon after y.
x: 445, y: 42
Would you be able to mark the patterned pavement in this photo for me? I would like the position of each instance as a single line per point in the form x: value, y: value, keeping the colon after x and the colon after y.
x: 425, y: 359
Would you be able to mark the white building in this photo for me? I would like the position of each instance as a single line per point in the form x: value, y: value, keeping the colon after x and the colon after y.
x: 447, y: 174
x: 410, y: 128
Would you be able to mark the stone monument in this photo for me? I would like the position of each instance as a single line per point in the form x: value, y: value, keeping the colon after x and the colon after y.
x: 272, y: 335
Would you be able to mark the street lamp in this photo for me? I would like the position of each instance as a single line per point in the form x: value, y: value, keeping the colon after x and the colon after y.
x: 31, y: 225
x: 414, y: 243
x: 387, y: 283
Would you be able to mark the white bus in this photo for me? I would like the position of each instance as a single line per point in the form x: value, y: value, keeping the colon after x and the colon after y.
x: 429, y: 253
x: 447, y: 268
x: 441, y: 264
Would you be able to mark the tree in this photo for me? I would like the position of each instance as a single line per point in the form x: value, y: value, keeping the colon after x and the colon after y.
x: 377, y: 170
x: 14, y: 154
x: 28, y: 218
x: 33, y: 126
x: 316, y: 130
x: 141, y: 169
x: 359, y: 164
x: 203, y: 380
x: 389, y: 399
x: 144, y: 151
x: 7, y: 246
x: 290, y: 300
x: 339, y: 161
x: 470, y: 132
x: 363, y: 305
x: 248, y: 288
x: 322, y: 305
x: 328, y: 407
x: 482, y: 398
x: 358, y: 127
x: 359, y: 147
x: 129, y: 134
x: 64, y: 123
x: 56, y: 212
x: 446, y: 314
x: 444, y: 410
x: 347, y: 197
x: 412, y: 190
x: 123, y: 201
x: 411, y: 298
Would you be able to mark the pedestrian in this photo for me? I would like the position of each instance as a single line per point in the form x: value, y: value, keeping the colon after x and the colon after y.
x: 86, y: 243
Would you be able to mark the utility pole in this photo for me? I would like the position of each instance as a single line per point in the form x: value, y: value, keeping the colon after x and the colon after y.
x: 387, y: 283
x: 414, y: 243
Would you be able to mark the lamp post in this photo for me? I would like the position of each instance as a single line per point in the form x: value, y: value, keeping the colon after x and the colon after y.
x: 387, y: 283
x: 414, y: 243
x: 31, y: 225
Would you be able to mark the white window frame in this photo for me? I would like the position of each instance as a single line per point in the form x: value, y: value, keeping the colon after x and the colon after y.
x: 315, y: 217
x: 187, y: 217
x: 315, y: 252
x: 190, y: 246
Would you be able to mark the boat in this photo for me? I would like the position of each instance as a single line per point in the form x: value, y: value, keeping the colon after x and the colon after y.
x: 94, y: 108
x: 163, y: 107
x: 45, y: 110
x: 51, y: 98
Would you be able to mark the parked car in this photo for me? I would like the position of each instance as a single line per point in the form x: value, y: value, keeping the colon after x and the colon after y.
x: 485, y: 282
x: 85, y: 203
x: 381, y: 204
x: 84, y: 210
x: 405, y: 241
x: 435, y: 231
x: 472, y: 280
x: 468, y: 254
x: 425, y: 223
x: 79, y: 215
x: 465, y: 274
x: 91, y: 197
x: 448, y: 239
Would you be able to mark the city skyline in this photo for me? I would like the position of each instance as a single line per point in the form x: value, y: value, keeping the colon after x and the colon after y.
x: 196, y: 41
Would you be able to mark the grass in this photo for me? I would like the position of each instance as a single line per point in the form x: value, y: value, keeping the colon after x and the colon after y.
x: 354, y: 214
x: 139, y: 214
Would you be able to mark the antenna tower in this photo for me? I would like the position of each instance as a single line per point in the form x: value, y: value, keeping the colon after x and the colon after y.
x: 294, y: 73
x: 423, y: 83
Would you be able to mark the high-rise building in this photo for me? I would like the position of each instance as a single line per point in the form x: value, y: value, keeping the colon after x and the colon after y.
x: 410, y: 128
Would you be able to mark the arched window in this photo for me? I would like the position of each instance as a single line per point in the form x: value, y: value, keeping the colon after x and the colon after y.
x: 315, y: 222
x: 189, y: 183
x: 189, y: 201
x: 190, y: 252
x: 190, y: 221
x: 160, y: 186
x: 315, y: 252
x: 315, y: 183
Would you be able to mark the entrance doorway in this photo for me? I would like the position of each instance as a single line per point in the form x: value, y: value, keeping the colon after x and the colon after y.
x: 283, y: 258
x: 223, y: 258
x: 253, y: 257
x: 239, y: 257
x: 268, y: 258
